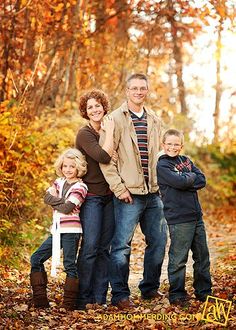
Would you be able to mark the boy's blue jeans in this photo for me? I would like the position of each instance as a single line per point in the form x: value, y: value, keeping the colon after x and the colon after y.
x: 148, y: 211
x: 97, y: 218
x: 186, y: 236
x: 69, y: 244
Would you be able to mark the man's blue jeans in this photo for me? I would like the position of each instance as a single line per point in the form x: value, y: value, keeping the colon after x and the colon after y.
x: 148, y: 211
x: 186, y: 236
x: 69, y: 244
x: 97, y: 218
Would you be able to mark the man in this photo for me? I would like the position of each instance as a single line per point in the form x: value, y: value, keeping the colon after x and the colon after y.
x: 134, y: 183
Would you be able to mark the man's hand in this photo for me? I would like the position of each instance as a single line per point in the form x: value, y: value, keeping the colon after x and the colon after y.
x: 114, y: 157
x: 126, y: 197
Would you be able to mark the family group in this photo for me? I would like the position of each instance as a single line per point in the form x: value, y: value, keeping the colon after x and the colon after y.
x: 123, y: 171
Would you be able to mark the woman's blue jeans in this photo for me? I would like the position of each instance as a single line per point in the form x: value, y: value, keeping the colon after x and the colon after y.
x: 69, y: 244
x: 183, y: 237
x: 148, y: 211
x: 97, y: 218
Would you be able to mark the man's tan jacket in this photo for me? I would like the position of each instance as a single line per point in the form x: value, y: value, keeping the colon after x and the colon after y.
x: 127, y: 173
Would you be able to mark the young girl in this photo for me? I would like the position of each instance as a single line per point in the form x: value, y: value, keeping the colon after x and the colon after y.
x: 65, y: 196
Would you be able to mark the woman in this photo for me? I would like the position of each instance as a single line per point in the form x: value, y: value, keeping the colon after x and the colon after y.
x: 97, y: 215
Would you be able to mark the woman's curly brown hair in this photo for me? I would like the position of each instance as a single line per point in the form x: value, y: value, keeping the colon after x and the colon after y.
x: 96, y: 94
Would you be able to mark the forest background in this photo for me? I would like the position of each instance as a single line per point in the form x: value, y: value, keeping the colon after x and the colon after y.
x: 53, y: 51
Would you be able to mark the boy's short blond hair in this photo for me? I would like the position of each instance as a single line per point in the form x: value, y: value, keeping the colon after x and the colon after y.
x: 79, y: 158
x: 174, y: 132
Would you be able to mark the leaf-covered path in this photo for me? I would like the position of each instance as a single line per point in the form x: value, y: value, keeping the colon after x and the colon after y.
x: 221, y: 241
x: 17, y: 312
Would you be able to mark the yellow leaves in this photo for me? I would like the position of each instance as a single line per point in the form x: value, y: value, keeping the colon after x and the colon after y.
x: 28, y: 153
x: 59, y: 7
x: 73, y: 2
x: 5, y: 225
x: 4, y: 119
x: 87, y: 42
x: 33, y: 22
x: 4, y: 104
x: 24, y: 2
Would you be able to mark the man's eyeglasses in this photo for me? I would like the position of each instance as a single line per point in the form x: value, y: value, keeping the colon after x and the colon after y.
x: 176, y: 145
x: 136, y: 89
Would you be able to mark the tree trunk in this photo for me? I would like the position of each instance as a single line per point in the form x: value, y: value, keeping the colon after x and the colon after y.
x: 218, y: 85
x: 6, y: 52
x: 179, y: 73
x: 177, y: 55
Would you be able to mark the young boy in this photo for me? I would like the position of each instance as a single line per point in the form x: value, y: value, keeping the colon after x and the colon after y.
x: 179, y: 179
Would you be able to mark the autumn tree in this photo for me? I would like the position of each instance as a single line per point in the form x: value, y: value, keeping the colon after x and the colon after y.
x: 172, y: 25
x: 52, y: 51
x: 223, y: 14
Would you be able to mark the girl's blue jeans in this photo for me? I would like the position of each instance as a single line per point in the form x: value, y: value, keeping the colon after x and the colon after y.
x: 69, y: 245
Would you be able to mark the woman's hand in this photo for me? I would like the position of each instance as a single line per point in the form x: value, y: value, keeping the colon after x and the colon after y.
x: 108, y: 124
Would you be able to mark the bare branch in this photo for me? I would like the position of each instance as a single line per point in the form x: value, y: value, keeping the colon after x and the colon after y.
x: 12, y: 78
x: 33, y: 74
x: 13, y: 140
x: 22, y: 9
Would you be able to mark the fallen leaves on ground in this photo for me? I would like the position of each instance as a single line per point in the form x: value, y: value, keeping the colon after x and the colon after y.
x: 17, y: 311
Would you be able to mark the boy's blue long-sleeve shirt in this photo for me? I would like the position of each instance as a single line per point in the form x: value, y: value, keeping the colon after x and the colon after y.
x: 178, y: 180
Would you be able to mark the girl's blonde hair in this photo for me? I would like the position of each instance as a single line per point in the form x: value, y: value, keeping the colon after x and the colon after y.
x: 79, y: 158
